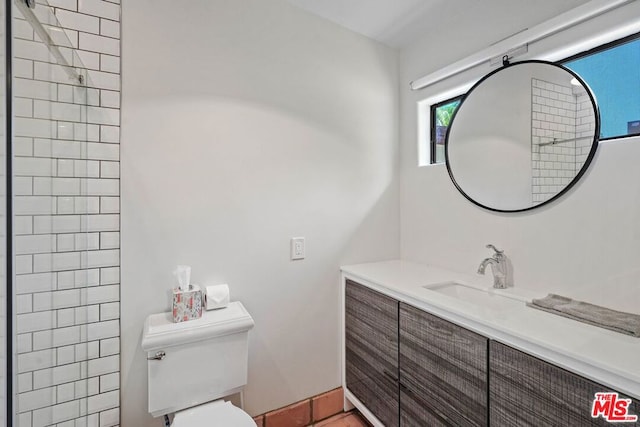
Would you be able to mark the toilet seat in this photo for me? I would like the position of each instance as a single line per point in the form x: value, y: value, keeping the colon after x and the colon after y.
x: 213, y: 414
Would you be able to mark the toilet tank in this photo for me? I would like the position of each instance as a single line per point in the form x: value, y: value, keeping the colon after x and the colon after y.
x: 194, y: 362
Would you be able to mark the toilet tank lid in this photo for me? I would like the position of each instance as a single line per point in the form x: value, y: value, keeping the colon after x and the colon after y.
x: 160, y: 331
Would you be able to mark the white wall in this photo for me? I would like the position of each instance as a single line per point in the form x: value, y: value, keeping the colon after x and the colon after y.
x: 586, y: 245
x: 246, y: 123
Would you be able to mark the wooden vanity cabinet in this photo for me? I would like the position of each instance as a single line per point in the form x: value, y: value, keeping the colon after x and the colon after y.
x: 527, y: 391
x: 443, y: 372
x: 442, y: 366
x: 371, y: 350
x: 414, y: 369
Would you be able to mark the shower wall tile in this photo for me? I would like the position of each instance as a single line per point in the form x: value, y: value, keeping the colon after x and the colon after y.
x: 29, y: 49
x: 86, y: 168
x: 100, y: 8
x: 109, y: 347
x: 29, y: 127
x: 24, y: 303
x: 109, y: 276
x: 67, y: 223
x: 99, y: 151
x: 103, y: 401
x: 53, y: 148
x: 110, y: 240
x: 24, y: 343
x: 44, y: 320
x: 22, y: 30
x: 103, y: 365
x: 65, y: 167
x: 100, y: 258
x: 34, y: 89
x: 22, y: 146
x: 103, y: 116
x: 86, y: 242
x: 108, y: 311
x: 110, y: 134
x: 86, y: 277
x: 104, y: 80
x: 34, y: 166
x: 101, y: 187
x: 109, y: 28
x: 25, y: 382
x: 101, y: 330
x: 45, y: 224
x: 109, y: 204
x: 109, y: 382
x: 65, y: 4
x: 23, y: 264
x: 34, y: 244
x: 79, y: 21
x: 22, y: 186
x: 91, y: 60
x: 23, y: 107
x: 56, y: 413
x: 103, y: 294
x: 34, y: 205
x: 36, y: 399
x: 107, y: 170
x: 37, y: 282
x: 99, y: 44
x: 109, y: 63
x: 56, y: 299
x: 109, y: 98
x: 36, y: 361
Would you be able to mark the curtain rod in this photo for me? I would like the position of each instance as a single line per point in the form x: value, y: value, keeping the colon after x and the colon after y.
x: 520, y: 41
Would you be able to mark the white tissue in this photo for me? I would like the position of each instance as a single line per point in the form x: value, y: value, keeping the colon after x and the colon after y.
x: 183, y: 274
x: 216, y: 296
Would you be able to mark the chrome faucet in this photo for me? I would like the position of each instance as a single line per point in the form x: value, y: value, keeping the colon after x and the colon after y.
x: 502, y: 277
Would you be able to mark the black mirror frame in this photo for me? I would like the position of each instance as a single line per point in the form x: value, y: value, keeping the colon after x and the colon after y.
x: 585, y: 166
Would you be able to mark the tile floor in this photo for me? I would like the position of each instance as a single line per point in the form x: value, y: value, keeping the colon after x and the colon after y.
x: 348, y: 419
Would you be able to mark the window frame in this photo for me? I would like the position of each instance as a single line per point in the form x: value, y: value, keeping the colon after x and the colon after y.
x: 579, y: 55
x: 432, y: 120
x: 595, y: 50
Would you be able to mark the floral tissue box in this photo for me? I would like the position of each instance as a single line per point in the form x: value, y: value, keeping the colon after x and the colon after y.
x: 187, y: 305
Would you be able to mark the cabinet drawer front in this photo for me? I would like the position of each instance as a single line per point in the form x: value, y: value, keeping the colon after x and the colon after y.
x: 371, y: 341
x: 526, y: 391
x: 443, y: 372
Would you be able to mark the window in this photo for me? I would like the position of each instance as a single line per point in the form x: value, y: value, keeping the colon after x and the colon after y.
x: 612, y: 72
x: 441, y: 114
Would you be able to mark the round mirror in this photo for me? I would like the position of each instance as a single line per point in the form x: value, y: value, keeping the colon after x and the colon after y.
x: 522, y: 136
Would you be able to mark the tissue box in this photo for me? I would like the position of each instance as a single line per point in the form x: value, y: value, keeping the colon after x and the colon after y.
x: 187, y: 305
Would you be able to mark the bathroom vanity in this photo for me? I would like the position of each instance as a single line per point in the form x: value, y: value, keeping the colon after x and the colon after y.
x: 426, y: 346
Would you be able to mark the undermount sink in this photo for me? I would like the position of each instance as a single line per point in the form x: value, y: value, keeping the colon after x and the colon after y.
x: 481, y: 297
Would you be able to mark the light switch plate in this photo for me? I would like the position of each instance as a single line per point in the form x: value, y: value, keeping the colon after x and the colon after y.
x: 297, y: 248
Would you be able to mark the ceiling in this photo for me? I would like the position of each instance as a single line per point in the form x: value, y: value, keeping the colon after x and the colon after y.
x: 399, y: 23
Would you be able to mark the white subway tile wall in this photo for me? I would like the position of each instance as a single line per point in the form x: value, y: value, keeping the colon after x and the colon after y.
x: 67, y: 223
x: 560, y: 118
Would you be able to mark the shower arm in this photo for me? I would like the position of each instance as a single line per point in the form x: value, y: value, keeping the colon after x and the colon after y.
x: 48, y: 41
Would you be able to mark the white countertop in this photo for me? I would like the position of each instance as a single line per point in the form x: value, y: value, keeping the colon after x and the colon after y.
x: 607, y: 357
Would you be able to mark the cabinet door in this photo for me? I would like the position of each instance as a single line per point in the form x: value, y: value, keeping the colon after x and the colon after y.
x: 371, y: 347
x: 443, y: 372
x: 526, y: 391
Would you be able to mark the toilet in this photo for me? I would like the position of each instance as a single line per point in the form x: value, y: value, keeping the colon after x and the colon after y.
x: 192, y: 365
